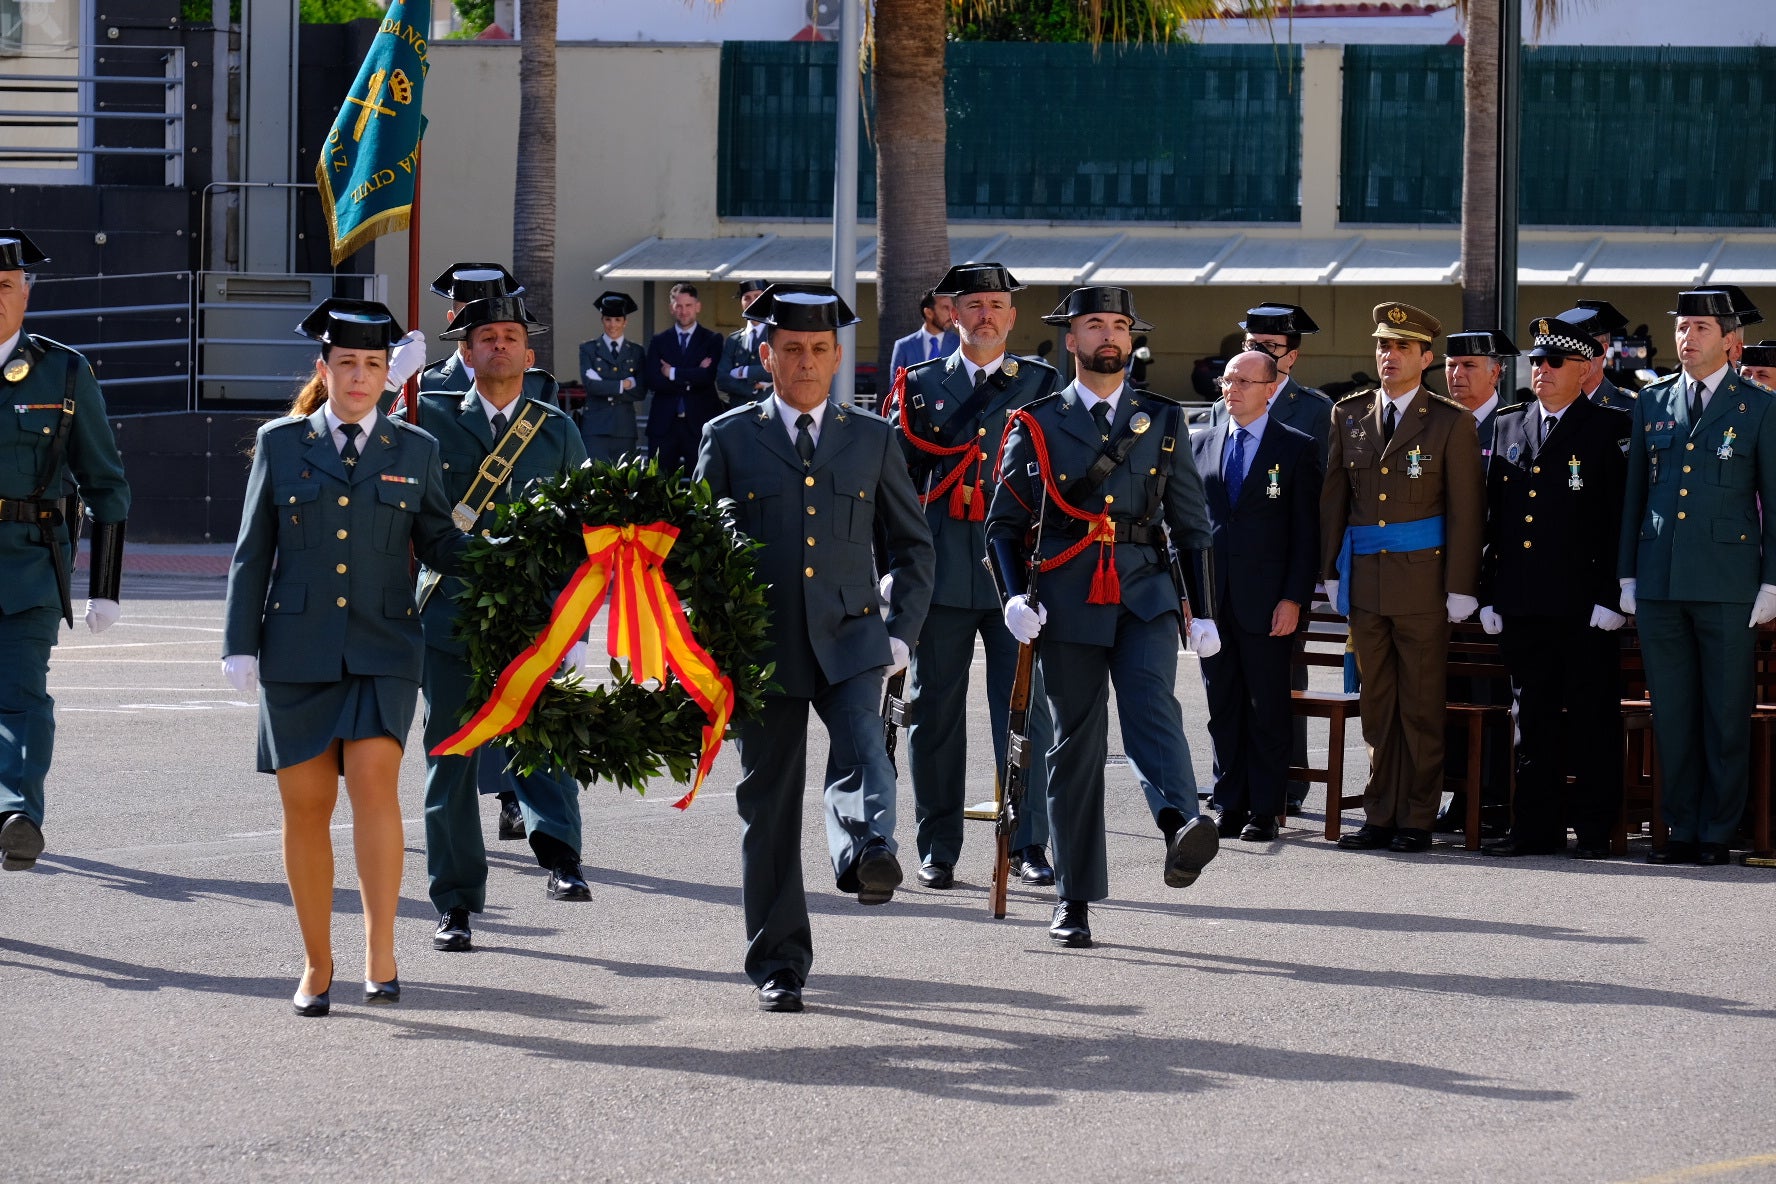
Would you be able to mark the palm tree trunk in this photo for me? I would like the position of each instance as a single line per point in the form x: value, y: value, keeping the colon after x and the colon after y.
x: 1480, y: 165
x: 912, y: 218
x: 533, y: 206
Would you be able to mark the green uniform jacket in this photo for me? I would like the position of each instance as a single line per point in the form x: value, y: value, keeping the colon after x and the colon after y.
x: 33, y: 409
x: 738, y: 355
x: 1690, y: 522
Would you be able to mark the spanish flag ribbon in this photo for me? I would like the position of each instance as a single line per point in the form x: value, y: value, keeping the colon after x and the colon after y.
x: 647, y: 628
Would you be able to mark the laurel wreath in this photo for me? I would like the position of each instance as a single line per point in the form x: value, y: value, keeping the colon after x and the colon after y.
x: 621, y: 732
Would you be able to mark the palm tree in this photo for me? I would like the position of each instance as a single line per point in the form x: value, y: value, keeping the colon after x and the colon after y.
x: 533, y: 205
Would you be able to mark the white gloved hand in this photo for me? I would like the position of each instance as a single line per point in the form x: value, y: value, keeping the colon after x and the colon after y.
x: 1627, y: 602
x: 242, y: 672
x: 574, y: 661
x: 1332, y: 594
x: 102, y: 614
x: 1023, y: 621
x: 407, y: 358
x: 903, y: 654
x: 885, y: 589
x: 1763, y: 609
x: 1205, y: 639
x: 1602, y: 618
x: 1460, y: 607
x: 1494, y: 624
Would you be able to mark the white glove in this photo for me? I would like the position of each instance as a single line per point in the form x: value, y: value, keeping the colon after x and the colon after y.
x: 407, y: 358
x: 1602, y: 618
x: 1763, y: 609
x: 1332, y: 594
x: 903, y: 654
x: 1460, y: 607
x: 1495, y: 625
x: 574, y: 660
x: 1205, y: 639
x: 1023, y: 621
x: 885, y: 589
x: 242, y: 672
x: 1628, y: 595
x: 102, y: 614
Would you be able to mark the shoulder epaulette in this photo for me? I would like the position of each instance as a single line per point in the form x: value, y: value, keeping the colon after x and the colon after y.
x: 1362, y: 394
x: 1514, y: 409
x: 1157, y: 397
x: 51, y: 345
x: 1045, y: 400
x: 1449, y: 402
x: 1037, y: 362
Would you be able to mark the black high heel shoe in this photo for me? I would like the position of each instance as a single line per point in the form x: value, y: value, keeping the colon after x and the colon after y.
x: 389, y: 992
x: 310, y: 1006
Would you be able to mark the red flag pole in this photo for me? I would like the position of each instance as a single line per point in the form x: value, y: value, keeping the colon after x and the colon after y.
x: 411, y: 394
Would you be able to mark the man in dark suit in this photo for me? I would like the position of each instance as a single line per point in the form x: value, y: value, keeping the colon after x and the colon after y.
x: 1262, y: 482
x: 813, y: 482
x: 1554, y: 512
x: 1604, y: 324
x: 937, y: 338
x: 611, y: 366
x: 1697, y: 563
x: 742, y: 376
x: 681, y: 368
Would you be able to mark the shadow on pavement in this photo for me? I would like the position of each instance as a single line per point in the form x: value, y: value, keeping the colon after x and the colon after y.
x: 1378, y: 922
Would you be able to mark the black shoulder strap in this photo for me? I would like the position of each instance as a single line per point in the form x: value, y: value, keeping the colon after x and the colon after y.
x: 1114, y: 454
x: 1168, y: 454
x: 58, y: 442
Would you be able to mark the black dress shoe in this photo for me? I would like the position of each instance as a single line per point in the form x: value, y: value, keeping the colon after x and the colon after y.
x: 389, y: 992
x: 1262, y: 829
x: 453, y: 932
x: 1676, y: 851
x: 1070, y: 926
x: 781, y: 992
x: 1509, y: 848
x: 1590, y: 851
x: 1031, y: 867
x: 511, y: 819
x: 937, y: 875
x: 1409, y: 840
x: 1368, y: 838
x: 312, y: 1006
x: 878, y: 874
x: 566, y: 882
x: 1714, y: 855
x: 1189, y: 851
x: 1230, y: 823
x: 21, y: 842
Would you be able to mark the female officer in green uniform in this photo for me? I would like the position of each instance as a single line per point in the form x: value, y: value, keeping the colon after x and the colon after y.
x: 320, y: 601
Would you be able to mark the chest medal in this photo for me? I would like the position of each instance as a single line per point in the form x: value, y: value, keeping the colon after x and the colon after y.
x: 1574, y: 481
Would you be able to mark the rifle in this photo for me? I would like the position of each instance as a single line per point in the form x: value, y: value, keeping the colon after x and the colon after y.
x: 894, y: 712
x: 1177, y: 567
x: 1015, y: 779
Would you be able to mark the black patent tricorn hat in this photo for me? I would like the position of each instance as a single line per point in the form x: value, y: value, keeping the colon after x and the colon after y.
x: 1761, y: 354
x: 1273, y: 316
x: 615, y: 304
x: 1608, y: 318
x: 463, y: 282
x: 801, y: 308
x: 1479, y: 343
x: 964, y: 278
x: 495, y: 310
x: 18, y: 252
x: 1707, y: 302
x: 1744, y: 311
x: 1083, y: 302
x: 351, y: 324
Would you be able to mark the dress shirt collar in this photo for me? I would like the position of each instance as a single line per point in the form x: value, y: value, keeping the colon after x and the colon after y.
x: 1400, y: 404
x: 613, y: 343
x: 789, y: 415
x: 368, y: 423
x: 1485, y: 409
x: 991, y: 367
x: 1089, y: 400
x: 1710, y: 384
x: 1254, y: 434
x: 1282, y: 382
x: 10, y: 344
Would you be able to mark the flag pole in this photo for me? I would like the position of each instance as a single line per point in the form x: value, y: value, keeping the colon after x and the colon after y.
x: 411, y: 394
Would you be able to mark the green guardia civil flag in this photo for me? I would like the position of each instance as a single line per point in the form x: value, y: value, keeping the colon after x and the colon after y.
x: 367, y: 168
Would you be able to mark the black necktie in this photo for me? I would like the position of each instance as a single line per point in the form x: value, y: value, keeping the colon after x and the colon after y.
x: 1389, y: 420
x: 499, y: 425
x: 1101, y: 413
x: 805, y: 438
x: 1548, y: 423
x: 980, y: 376
x: 684, y: 342
x: 349, y: 454
x: 1696, y: 389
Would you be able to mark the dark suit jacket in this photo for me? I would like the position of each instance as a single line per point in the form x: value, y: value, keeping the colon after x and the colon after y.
x: 1267, y: 547
x: 692, y: 385
x: 910, y: 350
x: 816, y: 526
x: 1301, y: 407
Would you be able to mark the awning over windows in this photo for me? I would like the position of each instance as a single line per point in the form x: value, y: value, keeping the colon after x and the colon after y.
x: 1137, y: 260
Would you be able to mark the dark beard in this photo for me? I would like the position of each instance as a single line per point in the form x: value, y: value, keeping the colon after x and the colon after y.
x: 1100, y: 363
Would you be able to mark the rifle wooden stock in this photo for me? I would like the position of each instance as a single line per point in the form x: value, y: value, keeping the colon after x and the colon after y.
x: 1015, y: 779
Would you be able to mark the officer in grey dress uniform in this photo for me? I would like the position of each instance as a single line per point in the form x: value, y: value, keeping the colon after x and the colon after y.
x: 469, y: 426
x: 951, y: 418
x: 813, y: 482
x: 610, y: 367
x: 1604, y: 324
x: 1115, y: 466
x: 56, y: 429
x: 321, y: 616
x: 740, y: 376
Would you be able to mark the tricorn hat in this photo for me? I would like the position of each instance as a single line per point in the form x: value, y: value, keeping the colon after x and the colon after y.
x: 1276, y: 317
x: 1761, y: 354
x: 1082, y: 302
x: 1743, y: 309
x: 977, y: 277
x: 746, y: 286
x: 801, y: 308
x: 351, y: 324
x: 18, y: 252
x: 1479, y: 343
x: 1608, y: 318
x: 463, y: 282
x: 493, y: 310
x: 1568, y: 335
x: 1404, y: 322
x: 615, y: 304
x: 1707, y: 302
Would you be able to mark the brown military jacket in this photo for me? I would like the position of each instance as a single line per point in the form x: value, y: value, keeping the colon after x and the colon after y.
x: 1369, y: 485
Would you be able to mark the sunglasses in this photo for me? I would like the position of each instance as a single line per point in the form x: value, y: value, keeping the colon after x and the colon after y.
x: 1553, y: 361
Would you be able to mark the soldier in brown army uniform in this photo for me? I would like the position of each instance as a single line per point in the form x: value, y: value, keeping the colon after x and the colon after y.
x: 1401, y: 522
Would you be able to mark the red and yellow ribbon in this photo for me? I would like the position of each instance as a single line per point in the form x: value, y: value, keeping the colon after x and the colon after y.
x: 647, y: 628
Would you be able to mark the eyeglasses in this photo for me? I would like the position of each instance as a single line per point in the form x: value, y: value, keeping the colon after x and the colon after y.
x: 1226, y: 383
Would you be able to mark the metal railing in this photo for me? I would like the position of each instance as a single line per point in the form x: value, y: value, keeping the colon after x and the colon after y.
x: 137, y: 341
x: 83, y: 114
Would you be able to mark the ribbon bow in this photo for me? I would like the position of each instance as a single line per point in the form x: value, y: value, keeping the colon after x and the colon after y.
x: 647, y: 628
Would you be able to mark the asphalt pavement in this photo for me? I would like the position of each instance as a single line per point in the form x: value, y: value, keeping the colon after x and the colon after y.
x: 1300, y: 1014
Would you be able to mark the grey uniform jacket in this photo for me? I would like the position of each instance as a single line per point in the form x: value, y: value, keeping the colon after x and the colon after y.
x: 738, y: 354
x: 817, y: 527
x: 609, y: 409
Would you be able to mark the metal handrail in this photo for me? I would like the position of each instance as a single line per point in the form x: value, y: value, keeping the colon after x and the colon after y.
x: 81, y: 114
x: 19, y: 152
x: 110, y: 310
x: 145, y: 80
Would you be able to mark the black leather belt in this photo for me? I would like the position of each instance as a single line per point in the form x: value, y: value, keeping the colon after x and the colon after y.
x: 25, y: 510
x: 1126, y: 531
